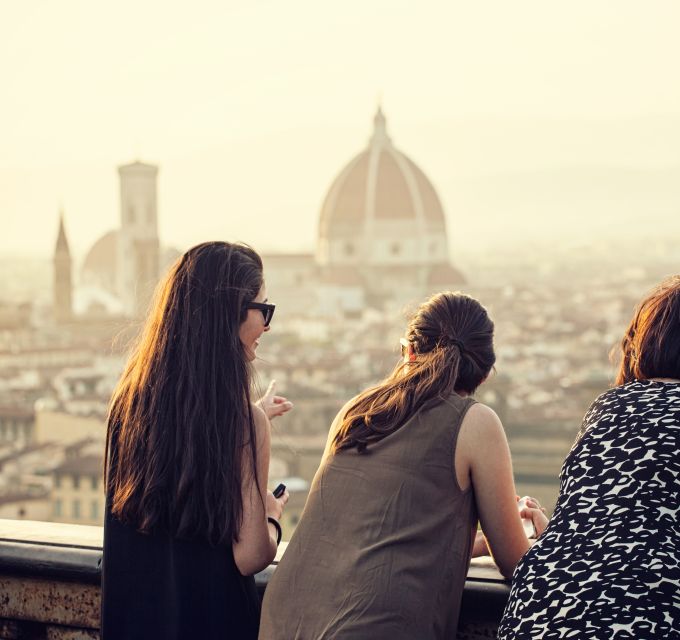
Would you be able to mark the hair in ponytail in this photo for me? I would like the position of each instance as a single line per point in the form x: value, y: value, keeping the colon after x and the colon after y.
x: 452, y: 337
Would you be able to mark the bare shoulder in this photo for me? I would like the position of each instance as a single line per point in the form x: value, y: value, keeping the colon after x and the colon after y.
x: 482, y: 415
x: 482, y: 423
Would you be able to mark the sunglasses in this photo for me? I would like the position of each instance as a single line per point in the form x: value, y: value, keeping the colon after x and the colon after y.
x: 405, y: 344
x: 266, y: 309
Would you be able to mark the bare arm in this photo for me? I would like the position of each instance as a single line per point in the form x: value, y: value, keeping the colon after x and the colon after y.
x: 483, y: 459
x: 256, y: 546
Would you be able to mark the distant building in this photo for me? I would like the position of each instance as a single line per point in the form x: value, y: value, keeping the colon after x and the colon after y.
x: 122, y: 268
x: 382, y: 238
x: 63, y: 285
x: 383, y: 221
x: 26, y: 505
x: 138, y: 251
x: 48, y: 357
x: 17, y: 425
x: 14, y: 317
x: 77, y: 490
x: 56, y: 425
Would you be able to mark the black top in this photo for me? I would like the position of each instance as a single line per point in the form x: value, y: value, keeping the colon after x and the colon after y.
x: 157, y: 586
x: 607, y: 565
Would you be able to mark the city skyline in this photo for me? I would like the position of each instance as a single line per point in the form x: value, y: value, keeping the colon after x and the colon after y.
x: 520, y: 118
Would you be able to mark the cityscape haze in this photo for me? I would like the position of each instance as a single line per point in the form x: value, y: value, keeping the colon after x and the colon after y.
x: 548, y: 120
x: 526, y: 154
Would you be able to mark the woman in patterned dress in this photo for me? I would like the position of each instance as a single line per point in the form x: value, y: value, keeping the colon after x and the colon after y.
x: 608, y: 565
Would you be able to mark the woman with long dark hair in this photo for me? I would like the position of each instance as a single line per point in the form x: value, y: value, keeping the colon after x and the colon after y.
x: 383, y: 545
x: 607, y: 565
x: 188, y: 515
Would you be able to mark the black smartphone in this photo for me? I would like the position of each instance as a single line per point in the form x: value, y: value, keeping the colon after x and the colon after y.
x: 278, y: 492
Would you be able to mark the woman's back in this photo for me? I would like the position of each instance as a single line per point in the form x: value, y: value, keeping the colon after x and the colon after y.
x: 159, y: 586
x: 384, y: 543
x: 609, y: 559
x: 187, y: 510
x: 156, y: 586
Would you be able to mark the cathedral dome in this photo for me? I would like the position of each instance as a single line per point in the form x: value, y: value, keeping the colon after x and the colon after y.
x: 101, y: 261
x: 99, y: 266
x: 382, y: 196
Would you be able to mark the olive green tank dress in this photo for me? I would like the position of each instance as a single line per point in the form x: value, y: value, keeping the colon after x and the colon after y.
x: 384, y: 543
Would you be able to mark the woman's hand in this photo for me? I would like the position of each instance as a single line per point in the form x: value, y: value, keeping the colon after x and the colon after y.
x: 275, y: 506
x: 479, y: 547
x: 532, y: 510
x: 272, y: 404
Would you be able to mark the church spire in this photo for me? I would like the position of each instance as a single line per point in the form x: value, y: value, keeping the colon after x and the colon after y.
x: 63, y: 286
x: 62, y: 241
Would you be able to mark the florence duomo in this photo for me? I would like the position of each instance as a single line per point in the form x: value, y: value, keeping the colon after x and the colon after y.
x: 382, y: 236
x: 382, y: 240
x: 383, y: 221
x: 347, y: 321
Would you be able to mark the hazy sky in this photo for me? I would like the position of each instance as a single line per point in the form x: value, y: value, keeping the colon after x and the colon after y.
x: 252, y: 108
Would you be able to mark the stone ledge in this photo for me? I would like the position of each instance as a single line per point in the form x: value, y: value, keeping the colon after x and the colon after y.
x: 50, y: 575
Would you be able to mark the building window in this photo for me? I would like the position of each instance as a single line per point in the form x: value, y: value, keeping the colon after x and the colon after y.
x: 76, y: 481
x: 76, y: 509
x: 57, y: 481
x: 395, y: 248
x: 94, y: 511
x: 95, y: 482
x: 349, y: 249
x: 131, y: 215
x: 57, y: 509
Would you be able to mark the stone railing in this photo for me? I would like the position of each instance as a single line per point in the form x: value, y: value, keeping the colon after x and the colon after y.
x: 50, y: 573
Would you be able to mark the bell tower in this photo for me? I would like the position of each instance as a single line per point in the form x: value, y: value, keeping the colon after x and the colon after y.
x: 138, y: 247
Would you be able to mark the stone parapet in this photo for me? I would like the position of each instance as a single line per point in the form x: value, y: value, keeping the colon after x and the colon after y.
x: 50, y: 576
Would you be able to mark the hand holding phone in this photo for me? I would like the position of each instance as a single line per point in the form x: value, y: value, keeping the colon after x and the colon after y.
x: 278, y: 492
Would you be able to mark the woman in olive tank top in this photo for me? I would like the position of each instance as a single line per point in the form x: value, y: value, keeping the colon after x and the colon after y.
x: 384, y: 543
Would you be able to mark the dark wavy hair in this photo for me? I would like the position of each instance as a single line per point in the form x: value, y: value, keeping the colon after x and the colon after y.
x: 452, y: 336
x: 651, y: 345
x: 180, y: 427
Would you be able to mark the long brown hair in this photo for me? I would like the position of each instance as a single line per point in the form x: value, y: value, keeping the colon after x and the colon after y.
x: 651, y: 345
x: 452, y: 337
x: 180, y: 419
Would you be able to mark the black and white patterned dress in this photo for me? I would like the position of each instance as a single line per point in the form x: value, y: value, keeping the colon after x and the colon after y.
x: 608, y: 565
